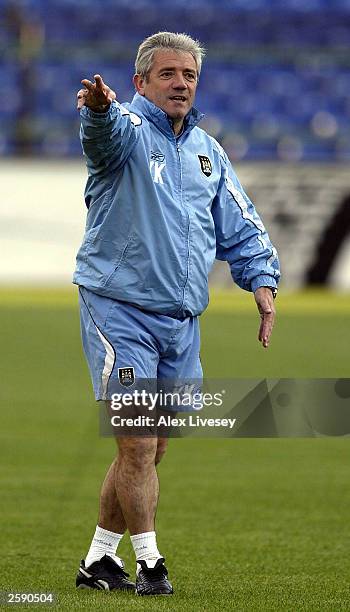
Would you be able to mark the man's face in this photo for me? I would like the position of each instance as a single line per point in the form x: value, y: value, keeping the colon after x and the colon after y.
x: 171, y: 84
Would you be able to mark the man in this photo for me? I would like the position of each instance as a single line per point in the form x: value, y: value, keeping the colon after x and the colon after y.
x: 163, y: 201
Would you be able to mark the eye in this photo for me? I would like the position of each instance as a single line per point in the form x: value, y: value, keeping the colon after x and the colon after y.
x: 190, y: 76
x: 167, y: 74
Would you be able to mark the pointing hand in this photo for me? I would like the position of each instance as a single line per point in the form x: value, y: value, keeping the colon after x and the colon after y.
x: 97, y: 96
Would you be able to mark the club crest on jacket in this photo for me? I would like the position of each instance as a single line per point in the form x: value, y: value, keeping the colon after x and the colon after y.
x: 205, y: 164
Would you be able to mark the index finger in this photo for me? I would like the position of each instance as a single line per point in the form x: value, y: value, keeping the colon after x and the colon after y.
x: 99, y: 81
x: 90, y: 86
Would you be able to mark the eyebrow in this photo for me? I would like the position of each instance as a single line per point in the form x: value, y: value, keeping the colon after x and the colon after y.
x: 174, y: 68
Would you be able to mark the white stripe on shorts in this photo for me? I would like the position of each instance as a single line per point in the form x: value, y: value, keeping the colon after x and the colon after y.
x: 109, y: 362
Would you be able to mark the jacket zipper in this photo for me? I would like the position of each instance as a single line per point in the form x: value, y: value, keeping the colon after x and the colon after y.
x: 178, y: 150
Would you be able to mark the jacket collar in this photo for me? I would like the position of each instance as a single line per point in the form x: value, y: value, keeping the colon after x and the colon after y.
x: 160, y: 118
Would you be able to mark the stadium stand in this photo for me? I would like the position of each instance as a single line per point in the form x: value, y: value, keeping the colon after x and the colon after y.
x: 275, y: 85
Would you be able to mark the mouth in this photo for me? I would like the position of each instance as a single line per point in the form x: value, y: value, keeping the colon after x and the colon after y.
x: 178, y: 98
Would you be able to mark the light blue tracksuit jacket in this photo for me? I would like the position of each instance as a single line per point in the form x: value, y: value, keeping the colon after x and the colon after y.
x: 160, y: 209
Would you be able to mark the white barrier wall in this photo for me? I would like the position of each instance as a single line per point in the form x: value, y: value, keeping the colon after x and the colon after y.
x: 42, y: 217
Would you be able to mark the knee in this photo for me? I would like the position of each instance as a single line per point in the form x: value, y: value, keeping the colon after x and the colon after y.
x: 161, y: 448
x: 138, y: 453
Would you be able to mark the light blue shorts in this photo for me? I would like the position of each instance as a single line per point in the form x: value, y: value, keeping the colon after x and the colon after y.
x: 125, y: 346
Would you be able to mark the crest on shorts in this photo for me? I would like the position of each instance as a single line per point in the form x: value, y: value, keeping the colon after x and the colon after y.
x: 205, y: 164
x: 126, y: 376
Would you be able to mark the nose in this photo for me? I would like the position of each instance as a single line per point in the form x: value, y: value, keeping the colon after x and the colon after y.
x: 179, y: 82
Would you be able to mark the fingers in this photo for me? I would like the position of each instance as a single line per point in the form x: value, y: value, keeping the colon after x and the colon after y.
x: 88, y: 85
x: 265, y: 303
x: 265, y: 329
x: 99, y: 82
x: 81, y: 96
x: 95, y: 95
x: 111, y: 95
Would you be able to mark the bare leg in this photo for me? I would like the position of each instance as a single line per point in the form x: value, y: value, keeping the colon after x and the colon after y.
x: 137, y: 482
x: 110, y: 515
x: 134, y: 490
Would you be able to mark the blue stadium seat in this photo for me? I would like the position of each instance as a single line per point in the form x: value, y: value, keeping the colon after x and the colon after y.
x: 271, y: 68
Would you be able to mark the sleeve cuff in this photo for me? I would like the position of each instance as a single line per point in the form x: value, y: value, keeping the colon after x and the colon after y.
x: 264, y: 280
x: 87, y: 112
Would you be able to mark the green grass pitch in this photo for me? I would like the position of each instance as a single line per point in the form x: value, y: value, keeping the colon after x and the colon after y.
x: 245, y: 524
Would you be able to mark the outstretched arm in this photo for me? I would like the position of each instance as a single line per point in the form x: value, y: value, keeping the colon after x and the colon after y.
x: 108, y: 132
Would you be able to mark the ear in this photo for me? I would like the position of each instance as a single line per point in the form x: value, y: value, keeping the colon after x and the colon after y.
x: 139, y: 82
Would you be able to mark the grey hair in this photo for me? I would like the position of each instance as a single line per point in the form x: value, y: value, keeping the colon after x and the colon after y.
x: 167, y: 40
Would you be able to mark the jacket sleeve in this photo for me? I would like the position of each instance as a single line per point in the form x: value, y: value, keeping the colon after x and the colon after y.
x: 108, y: 138
x: 241, y: 238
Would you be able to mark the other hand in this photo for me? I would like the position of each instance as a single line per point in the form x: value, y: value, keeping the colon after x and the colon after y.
x: 265, y: 303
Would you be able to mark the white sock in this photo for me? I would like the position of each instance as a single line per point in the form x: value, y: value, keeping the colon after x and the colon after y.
x: 145, y: 548
x: 103, y: 543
